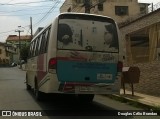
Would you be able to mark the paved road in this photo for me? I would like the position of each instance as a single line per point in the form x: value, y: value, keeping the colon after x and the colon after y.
x: 14, y: 96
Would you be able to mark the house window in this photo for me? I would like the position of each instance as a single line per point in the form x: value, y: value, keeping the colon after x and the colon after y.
x: 0, y: 51
x: 100, y: 6
x: 121, y: 10
x: 143, y: 10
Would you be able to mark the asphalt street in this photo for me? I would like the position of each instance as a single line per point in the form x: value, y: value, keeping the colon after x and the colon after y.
x: 14, y: 96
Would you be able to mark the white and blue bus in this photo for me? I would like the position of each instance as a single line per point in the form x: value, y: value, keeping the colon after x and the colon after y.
x: 78, y: 54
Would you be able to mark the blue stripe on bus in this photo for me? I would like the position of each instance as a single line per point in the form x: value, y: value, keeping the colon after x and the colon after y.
x: 76, y: 71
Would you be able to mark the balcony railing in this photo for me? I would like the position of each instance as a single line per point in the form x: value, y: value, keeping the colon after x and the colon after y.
x: 154, y: 7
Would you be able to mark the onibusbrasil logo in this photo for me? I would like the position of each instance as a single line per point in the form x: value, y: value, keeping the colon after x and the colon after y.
x: 21, y: 113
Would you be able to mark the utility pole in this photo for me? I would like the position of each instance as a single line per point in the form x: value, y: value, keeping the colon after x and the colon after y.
x: 152, y: 7
x: 19, y: 32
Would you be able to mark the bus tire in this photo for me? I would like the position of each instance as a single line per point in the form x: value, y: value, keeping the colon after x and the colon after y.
x: 86, y: 98
x: 28, y: 87
x: 38, y: 94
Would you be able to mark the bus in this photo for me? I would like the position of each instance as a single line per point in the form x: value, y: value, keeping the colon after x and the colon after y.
x: 79, y: 54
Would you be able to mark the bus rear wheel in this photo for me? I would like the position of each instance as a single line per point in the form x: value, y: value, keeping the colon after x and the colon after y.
x: 28, y: 87
x: 38, y: 94
x: 85, y: 97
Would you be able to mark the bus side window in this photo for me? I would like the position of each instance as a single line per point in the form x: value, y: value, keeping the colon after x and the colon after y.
x: 46, y: 40
x: 42, y: 43
x: 37, y: 45
x: 34, y: 47
x: 31, y: 49
x: 29, y: 53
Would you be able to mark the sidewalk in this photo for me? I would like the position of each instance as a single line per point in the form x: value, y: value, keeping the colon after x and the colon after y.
x: 147, y: 91
x: 141, y: 99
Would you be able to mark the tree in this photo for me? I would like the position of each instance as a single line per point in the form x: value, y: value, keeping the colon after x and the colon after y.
x: 24, y: 52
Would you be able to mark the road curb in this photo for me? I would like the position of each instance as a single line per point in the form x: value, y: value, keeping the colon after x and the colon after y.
x: 135, y: 103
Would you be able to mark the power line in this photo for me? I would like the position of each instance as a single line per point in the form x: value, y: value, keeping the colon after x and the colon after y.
x: 24, y: 3
x: 24, y: 14
x: 56, y: 3
x: 39, y: 21
x: 20, y: 10
x: 87, y: 5
x: 12, y: 30
x: 6, y: 13
x: 10, y: 1
x: 7, y: 31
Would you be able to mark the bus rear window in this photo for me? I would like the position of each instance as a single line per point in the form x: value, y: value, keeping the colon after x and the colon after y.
x: 84, y: 34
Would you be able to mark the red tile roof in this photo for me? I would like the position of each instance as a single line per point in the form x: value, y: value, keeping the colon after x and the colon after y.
x: 16, y: 38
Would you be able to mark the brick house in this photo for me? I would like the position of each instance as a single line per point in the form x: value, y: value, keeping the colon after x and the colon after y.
x: 4, y: 59
x: 13, y: 45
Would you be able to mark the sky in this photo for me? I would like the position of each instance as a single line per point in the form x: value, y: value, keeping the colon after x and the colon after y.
x: 14, y: 13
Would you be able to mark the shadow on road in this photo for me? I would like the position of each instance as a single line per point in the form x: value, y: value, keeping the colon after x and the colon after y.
x: 67, y: 106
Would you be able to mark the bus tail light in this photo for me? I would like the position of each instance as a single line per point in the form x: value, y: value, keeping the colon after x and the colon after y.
x: 119, y: 66
x: 52, y: 64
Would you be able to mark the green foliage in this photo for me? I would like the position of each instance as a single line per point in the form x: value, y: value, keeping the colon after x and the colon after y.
x: 24, y: 52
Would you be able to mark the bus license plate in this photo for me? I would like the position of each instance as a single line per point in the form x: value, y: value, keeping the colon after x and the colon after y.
x: 86, y: 88
x: 104, y: 76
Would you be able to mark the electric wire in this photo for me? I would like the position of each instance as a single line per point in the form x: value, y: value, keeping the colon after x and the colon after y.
x: 26, y: 14
x: 22, y: 10
x: 39, y: 21
x: 45, y: 16
x: 10, y: 1
x: 23, y: 3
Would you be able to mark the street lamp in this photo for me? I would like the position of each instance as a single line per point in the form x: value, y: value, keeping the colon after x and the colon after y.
x: 19, y: 32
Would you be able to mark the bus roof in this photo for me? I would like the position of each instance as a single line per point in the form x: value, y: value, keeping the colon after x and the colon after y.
x: 70, y: 13
x: 76, y: 13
